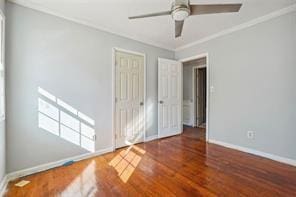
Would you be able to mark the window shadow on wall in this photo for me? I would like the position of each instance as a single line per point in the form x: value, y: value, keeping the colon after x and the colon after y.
x: 64, y: 121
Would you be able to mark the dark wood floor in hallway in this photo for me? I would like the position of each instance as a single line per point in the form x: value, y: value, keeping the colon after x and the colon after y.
x: 183, y: 165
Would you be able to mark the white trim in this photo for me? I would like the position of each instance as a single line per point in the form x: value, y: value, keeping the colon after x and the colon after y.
x: 4, y: 181
x: 194, y: 123
x: 245, y: 25
x: 182, y: 97
x: 113, y: 99
x: 3, y: 185
x: 21, y: 173
x: 169, y: 135
x: 114, y: 49
x: 202, y: 55
x: 255, y: 152
x: 2, y: 62
x: 129, y: 51
x: 250, y: 23
x: 27, y: 4
x: 151, y: 138
x: 187, y: 59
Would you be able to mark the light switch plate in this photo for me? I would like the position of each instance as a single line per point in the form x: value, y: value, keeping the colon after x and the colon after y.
x: 212, y: 89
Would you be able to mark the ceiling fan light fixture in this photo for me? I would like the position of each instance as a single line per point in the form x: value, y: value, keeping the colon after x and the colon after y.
x: 180, y: 14
x: 181, y: 9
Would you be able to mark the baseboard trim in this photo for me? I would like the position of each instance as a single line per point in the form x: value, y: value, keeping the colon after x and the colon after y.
x: 255, y: 152
x: 188, y: 124
x: 169, y: 135
x: 3, y: 185
x: 25, y: 172
x: 151, y: 138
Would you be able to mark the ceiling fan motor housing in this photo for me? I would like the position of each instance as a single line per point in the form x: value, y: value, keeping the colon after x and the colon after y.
x: 180, y: 10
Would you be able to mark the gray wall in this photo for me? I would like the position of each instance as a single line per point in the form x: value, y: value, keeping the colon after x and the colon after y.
x: 253, y: 73
x: 187, y: 77
x: 2, y: 127
x: 187, y: 81
x: 2, y: 5
x: 73, y: 62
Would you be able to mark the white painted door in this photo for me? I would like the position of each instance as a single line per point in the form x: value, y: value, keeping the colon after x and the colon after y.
x: 169, y: 97
x: 129, y: 98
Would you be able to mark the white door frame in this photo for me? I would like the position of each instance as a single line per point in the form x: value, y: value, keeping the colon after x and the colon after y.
x: 2, y: 62
x: 206, y: 55
x: 193, y: 91
x: 114, y: 49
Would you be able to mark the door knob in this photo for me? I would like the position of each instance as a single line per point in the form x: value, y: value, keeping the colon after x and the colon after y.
x: 161, y: 102
x: 141, y: 103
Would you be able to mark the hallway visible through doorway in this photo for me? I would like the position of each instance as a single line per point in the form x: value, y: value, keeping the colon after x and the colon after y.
x: 194, y: 132
x: 195, y: 95
x: 201, y: 96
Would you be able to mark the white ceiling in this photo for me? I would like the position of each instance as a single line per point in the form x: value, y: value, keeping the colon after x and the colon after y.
x: 112, y: 16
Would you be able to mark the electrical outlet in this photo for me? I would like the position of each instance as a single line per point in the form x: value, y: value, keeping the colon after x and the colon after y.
x: 251, y: 134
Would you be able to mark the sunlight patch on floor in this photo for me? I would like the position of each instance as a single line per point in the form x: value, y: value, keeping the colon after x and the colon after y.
x: 84, y: 184
x: 127, y: 161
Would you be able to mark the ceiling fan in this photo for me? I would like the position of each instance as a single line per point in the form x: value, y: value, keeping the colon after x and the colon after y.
x: 181, y: 9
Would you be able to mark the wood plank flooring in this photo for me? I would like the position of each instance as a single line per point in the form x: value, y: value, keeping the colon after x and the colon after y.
x: 183, y: 165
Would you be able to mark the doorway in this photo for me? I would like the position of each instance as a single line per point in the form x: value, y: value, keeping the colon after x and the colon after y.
x: 129, y: 98
x: 201, y: 96
x: 195, y: 96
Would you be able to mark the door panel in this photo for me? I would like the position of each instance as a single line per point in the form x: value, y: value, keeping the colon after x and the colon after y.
x: 169, y: 97
x: 174, y: 116
x: 123, y: 86
x: 129, y: 107
x: 165, y: 116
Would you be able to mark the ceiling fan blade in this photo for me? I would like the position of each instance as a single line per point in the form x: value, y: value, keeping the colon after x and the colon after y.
x: 214, y: 8
x: 151, y: 15
x: 178, y: 28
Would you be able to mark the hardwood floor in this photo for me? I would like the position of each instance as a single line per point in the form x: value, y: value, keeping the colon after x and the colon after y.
x: 195, y: 133
x: 183, y: 165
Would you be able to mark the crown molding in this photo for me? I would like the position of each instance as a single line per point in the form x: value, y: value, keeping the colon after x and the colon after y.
x: 89, y: 24
x: 242, y: 26
x: 245, y: 25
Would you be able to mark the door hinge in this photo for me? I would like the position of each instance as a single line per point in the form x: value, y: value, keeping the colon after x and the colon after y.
x: 116, y: 99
